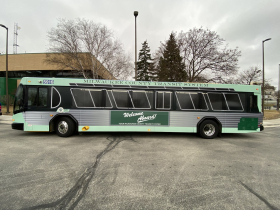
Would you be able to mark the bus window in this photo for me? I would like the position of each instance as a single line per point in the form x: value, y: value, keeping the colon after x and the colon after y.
x: 100, y: 98
x: 37, y: 96
x: 191, y: 101
x: 32, y: 96
x: 217, y: 101
x: 19, y: 103
x: 140, y: 99
x: 122, y: 99
x: 96, y: 96
x: 184, y: 100
x: 199, y: 101
x: 254, y: 104
x: 82, y: 98
x: 43, y: 97
x: 56, y: 98
x: 163, y: 100
x: 233, y: 102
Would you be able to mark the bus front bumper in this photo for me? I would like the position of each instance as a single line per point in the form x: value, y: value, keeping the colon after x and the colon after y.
x: 17, y: 126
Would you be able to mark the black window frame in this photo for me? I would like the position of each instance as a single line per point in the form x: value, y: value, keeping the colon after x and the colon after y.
x: 52, y: 91
x: 170, y: 96
x: 228, y: 109
x: 193, y: 104
x: 21, y: 102
x: 37, y: 97
x: 103, y: 101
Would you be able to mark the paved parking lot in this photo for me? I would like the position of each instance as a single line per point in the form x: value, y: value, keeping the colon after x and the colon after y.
x: 139, y: 171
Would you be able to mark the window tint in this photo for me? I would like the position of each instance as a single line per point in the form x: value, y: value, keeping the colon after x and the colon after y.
x: 96, y: 96
x: 254, y: 103
x: 37, y: 96
x: 233, y: 101
x: 163, y: 100
x: 19, y: 99
x: 150, y: 95
x: 32, y: 96
x: 43, y: 96
x: 140, y: 99
x: 191, y: 100
x: 217, y: 101
x: 184, y: 100
x: 159, y: 100
x: 122, y: 99
x: 55, y: 98
x: 100, y: 98
x: 167, y: 100
x: 82, y: 98
x: 108, y: 102
x: 199, y: 101
x: 91, y: 98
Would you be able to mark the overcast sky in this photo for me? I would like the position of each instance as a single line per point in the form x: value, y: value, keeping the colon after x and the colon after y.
x: 242, y: 23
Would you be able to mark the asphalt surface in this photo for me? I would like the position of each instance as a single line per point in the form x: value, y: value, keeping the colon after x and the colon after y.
x: 139, y: 171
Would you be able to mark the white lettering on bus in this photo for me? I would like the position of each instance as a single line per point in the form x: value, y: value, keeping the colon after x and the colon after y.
x: 132, y: 114
x: 143, y: 118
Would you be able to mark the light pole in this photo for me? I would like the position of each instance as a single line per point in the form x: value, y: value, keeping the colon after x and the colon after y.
x: 278, y: 98
x: 7, y: 86
x: 263, y: 74
x: 135, y: 14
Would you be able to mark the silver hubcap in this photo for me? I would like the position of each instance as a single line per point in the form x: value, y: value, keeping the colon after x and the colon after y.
x: 209, y: 129
x: 62, y: 127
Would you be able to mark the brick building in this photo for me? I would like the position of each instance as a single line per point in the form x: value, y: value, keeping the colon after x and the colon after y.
x: 33, y: 65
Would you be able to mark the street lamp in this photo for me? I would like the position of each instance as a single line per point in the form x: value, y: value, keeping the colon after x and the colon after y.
x: 135, y: 14
x: 7, y: 91
x: 263, y: 74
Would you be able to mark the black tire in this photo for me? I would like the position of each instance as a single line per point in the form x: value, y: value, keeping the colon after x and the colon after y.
x: 64, y: 127
x: 208, y: 129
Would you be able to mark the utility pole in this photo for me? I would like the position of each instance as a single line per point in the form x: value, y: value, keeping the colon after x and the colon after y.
x: 135, y: 14
x: 7, y: 86
x: 15, y: 45
x: 278, y: 98
x: 263, y: 85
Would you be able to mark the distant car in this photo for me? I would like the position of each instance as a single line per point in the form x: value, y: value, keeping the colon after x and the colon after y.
x: 0, y: 109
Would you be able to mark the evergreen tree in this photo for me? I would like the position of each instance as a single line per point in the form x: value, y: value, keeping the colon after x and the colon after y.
x: 145, y: 64
x: 152, y: 72
x: 171, y: 67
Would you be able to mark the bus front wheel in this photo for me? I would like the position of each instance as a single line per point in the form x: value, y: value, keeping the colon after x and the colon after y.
x: 64, y: 127
x: 208, y: 129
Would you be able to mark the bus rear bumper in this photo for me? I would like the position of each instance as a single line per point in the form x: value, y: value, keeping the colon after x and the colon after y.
x: 17, y: 126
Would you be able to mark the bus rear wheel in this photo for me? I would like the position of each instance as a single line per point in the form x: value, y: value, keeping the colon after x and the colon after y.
x: 64, y: 127
x: 208, y: 129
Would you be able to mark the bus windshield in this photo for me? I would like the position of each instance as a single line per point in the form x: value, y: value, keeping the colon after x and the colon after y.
x: 18, y: 103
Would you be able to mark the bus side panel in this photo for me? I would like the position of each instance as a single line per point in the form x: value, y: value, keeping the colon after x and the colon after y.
x: 235, y: 130
x: 37, y: 121
x: 229, y: 121
x: 100, y: 120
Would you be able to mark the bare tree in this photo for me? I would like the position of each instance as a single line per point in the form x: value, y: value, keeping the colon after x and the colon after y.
x: 249, y: 75
x: 204, y: 57
x: 89, y: 48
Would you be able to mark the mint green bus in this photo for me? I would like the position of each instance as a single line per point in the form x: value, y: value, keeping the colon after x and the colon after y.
x: 68, y: 106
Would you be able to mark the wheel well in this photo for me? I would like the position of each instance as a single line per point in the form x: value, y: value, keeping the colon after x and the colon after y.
x: 209, y: 118
x: 56, y: 117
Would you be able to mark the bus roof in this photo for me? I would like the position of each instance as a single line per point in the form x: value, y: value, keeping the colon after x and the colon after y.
x: 145, y: 84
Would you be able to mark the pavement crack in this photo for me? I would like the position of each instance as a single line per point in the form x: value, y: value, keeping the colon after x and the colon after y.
x: 71, y: 199
x: 258, y: 196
